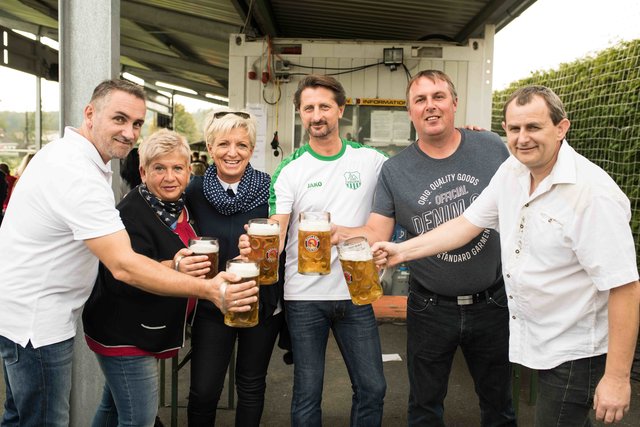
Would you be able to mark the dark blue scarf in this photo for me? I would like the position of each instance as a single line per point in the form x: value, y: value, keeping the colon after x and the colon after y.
x: 168, y: 212
x: 253, y: 191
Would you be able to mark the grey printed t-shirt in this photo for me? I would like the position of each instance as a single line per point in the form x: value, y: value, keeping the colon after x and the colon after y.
x: 421, y: 192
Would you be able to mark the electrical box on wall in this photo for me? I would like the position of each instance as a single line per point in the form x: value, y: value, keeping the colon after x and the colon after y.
x: 362, y: 67
x: 282, y: 66
x: 282, y: 71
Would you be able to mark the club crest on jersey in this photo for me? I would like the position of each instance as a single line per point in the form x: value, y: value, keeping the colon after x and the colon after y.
x: 352, y: 180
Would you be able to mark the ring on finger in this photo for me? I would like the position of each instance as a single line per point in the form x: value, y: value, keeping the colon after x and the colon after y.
x: 176, y: 264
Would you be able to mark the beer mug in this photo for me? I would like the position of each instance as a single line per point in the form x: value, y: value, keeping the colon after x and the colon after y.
x: 314, y: 243
x: 206, y: 246
x: 264, y: 237
x: 359, y: 270
x: 248, y: 270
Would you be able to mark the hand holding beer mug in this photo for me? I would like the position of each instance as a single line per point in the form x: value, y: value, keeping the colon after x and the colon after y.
x: 248, y: 270
x: 230, y: 293
x: 314, y: 243
x: 359, y: 270
x: 185, y: 261
x: 264, y: 236
x: 206, y: 246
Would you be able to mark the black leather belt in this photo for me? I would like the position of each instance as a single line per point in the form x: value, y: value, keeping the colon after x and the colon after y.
x: 460, y: 299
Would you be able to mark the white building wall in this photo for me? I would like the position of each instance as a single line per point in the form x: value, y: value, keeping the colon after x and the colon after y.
x: 469, y: 67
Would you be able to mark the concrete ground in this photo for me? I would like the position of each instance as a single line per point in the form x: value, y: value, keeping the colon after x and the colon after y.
x: 461, y: 404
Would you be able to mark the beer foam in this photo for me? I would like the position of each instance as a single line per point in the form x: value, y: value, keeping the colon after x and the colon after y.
x: 356, y: 255
x: 262, y: 229
x: 314, y: 225
x: 242, y: 269
x: 204, y: 248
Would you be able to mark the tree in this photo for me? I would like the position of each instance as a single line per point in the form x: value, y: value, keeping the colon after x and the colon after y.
x: 184, y: 123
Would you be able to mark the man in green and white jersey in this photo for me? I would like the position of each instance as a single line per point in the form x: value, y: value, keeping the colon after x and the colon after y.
x: 339, y: 176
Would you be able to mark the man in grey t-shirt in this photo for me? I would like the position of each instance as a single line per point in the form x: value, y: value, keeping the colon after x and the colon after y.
x: 456, y: 299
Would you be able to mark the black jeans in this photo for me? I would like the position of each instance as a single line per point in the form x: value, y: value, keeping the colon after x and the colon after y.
x: 435, y: 329
x: 211, y: 345
x: 565, y: 393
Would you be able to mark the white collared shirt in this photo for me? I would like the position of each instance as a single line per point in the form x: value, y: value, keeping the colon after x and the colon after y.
x: 226, y: 186
x: 47, y: 272
x: 563, y: 248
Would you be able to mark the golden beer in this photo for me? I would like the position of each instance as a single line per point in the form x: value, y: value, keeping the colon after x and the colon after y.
x: 248, y: 270
x: 314, y: 244
x: 264, y: 237
x: 207, y: 246
x: 359, y: 270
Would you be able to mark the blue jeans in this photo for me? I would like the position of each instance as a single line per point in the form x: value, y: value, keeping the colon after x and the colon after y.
x: 565, y: 393
x: 130, y: 395
x: 38, y: 383
x: 356, y: 332
x: 435, y: 330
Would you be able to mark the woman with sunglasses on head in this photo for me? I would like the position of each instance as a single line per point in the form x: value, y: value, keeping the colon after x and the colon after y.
x: 222, y: 201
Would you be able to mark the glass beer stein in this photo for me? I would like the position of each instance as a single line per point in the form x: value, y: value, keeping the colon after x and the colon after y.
x: 206, y: 246
x: 314, y: 243
x: 359, y: 270
x: 248, y: 270
x: 264, y: 236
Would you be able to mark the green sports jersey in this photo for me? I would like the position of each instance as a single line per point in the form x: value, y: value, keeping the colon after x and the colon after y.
x: 343, y: 185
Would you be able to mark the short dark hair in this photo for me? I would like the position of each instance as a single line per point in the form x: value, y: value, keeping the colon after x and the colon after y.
x: 432, y: 75
x: 321, y: 80
x: 105, y: 88
x: 524, y: 95
x: 130, y: 168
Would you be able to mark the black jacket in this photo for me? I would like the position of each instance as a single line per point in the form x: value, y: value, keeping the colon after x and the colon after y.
x: 118, y: 314
x: 227, y: 228
x: 4, y: 188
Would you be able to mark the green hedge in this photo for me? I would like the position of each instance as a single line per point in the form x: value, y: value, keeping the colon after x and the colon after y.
x: 601, y: 95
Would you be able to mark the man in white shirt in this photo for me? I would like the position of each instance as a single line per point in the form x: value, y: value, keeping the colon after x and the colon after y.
x: 61, y: 221
x: 568, y: 260
x: 339, y: 176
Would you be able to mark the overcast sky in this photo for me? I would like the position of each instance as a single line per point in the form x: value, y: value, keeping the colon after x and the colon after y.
x: 551, y: 32
x: 548, y: 33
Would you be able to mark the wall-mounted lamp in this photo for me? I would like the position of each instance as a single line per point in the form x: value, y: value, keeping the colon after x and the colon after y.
x: 392, y: 57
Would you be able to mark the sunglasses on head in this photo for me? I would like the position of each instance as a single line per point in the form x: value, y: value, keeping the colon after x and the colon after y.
x: 221, y: 114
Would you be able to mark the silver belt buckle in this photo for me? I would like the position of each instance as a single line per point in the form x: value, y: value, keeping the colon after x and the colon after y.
x: 465, y: 299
